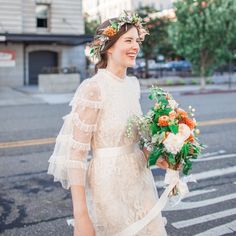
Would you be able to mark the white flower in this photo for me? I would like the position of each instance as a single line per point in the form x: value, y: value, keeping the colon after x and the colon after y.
x: 173, y: 104
x: 173, y: 143
x: 184, y: 131
x: 158, y: 138
x: 155, y: 138
x: 150, y: 113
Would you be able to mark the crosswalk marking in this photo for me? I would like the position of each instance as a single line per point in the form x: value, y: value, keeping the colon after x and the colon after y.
x: 187, y: 204
x: 220, y: 230
x: 212, y: 153
x: 215, y: 173
x: 207, y: 174
x: 204, y: 218
x: 215, y: 157
x: 199, y: 192
x: 207, y: 202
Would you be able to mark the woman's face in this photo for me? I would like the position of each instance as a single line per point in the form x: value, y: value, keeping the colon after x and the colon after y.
x: 125, y: 49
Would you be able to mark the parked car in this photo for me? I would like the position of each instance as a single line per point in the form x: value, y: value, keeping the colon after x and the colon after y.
x: 177, y: 66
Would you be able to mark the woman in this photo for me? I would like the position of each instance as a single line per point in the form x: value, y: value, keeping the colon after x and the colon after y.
x: 115, y: 189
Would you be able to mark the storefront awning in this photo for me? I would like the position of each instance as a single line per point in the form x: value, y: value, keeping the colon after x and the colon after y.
x: 72, y: 40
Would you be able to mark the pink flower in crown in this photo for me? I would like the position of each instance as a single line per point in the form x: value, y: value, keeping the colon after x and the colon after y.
x: 146, y: 19
x: 203, y: 4
x: 142, y: 33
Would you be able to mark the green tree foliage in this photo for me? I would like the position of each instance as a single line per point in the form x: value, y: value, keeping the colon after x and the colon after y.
x: 90, y: 26
x: 157, y: 42
x: 203, y: 32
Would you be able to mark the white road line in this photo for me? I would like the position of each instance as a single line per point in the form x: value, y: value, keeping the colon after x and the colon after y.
x: 215, y: 173
x: 220, y: 230
x: 204, y: 218
x: 215, y: 157
x: 199, y: 192
x: 212, y: 153
x: 207, y: 174
x: 207, y: 202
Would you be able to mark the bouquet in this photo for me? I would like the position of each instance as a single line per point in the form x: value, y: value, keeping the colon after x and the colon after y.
x: 169, y: 132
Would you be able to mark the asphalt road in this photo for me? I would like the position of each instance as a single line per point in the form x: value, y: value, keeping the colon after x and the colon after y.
x: 31, y: 204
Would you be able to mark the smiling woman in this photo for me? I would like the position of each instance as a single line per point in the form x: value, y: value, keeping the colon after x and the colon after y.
x: 115, y: 192
x: 126, y: 41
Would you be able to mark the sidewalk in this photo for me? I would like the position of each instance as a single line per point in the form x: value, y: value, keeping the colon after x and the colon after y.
x: 195, y: 89
x: 11, y: 97
x: 28, y: 95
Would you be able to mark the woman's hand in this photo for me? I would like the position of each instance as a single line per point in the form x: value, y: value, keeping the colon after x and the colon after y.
x: 83, y: 226
x: 162, y: 163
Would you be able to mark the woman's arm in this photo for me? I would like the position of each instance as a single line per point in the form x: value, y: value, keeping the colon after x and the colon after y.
x: 78, y: 201
x: 82, y: 222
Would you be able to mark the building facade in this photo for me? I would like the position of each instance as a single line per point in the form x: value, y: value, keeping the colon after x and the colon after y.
x: 38, y: 36
x: 104, y: 9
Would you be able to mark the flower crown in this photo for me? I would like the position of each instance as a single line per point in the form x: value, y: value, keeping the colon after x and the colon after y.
x: 98, y: 44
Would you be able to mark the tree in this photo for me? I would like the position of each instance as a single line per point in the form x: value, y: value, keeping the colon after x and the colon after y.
x: 157, y: 42
x: 90, y: 25
x: 203, y: 32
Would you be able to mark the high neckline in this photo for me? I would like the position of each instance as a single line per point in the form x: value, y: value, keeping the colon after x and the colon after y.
x: 113, y: 76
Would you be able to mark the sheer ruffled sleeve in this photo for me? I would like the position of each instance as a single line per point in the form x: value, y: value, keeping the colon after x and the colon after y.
x: 68, y: 163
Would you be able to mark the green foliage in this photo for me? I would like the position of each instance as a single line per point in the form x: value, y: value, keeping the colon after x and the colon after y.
x: 90, y: 26
x: 174, y: 128
x: 185, y: 150
x: 157, y: 43
x: 203, y: 32
x: 154, y: 128
x: 171, y: 159
x: 153, y: 156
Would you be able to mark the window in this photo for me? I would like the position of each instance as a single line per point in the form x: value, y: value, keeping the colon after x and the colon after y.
x: 42, y: 15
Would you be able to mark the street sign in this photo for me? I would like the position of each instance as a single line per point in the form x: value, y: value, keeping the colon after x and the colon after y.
x: 7, y: 58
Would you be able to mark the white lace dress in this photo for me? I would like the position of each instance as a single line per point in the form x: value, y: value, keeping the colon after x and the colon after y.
x: 120, y: 189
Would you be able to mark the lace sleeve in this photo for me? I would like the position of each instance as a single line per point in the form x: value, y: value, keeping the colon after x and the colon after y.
x: 68, y: 163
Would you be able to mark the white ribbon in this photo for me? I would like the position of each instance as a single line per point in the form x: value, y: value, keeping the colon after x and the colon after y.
x: 115, y: 151
x: 171, y: 179
x: 182, y: 187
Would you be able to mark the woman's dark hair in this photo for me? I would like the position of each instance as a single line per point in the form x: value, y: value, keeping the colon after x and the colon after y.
x: 124, y: 28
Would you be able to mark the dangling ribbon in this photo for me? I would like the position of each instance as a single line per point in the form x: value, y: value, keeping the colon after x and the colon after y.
x: 172, y: 179
x: 181, y: 186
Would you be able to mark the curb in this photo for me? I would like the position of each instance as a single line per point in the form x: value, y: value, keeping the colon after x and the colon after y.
x: 210, y: 91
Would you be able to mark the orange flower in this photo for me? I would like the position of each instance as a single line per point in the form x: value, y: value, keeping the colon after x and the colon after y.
x: 189, y: 122
x: 163, y: 120
x: 182, y: 112
x: 191, y: 150
x: 172, y: 115
x: 109, y: 31
x: 191, y: 138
